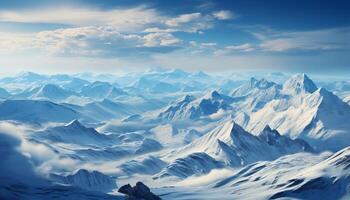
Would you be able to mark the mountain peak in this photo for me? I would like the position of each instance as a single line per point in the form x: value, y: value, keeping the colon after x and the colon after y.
x: 324, y: 92
x: 187, y: 98
x: 50, y: 87
x: 74, y: 123
x: 299, y: 83
x: 235, y: 128
x: 201, y: 74
x: 267, y: 128
x: 212, y: 95
x: 268, y: 133
x: 215, y: 94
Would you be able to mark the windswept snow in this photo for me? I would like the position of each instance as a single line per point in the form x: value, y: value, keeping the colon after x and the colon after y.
x: 188, y: 135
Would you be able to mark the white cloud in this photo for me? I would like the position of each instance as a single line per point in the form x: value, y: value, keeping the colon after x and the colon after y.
x: 235, y: 49
x: 10, y: 43
x: 86, y: 41
x: 159, y: 30
x: 223, y: 15
x: 160, y: 39
x: 182, y: 19
x: 89, y: 41
x: 25, y: 153
x: 318, y: 40
x: 130, y: 19
x: 208, y: 44
x: 244, y: 47
x: 193, y: 22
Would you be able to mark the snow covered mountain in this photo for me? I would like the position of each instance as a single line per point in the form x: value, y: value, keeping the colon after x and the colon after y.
x: 33, y: 111
x: 149, y: 165
x: 4, y: 93
x: 195, y: 108
x: 316, y: 115
x: 101, y: 90
x: 253, y: 95
x: 92, y: 181
x: 299, y: 83
x: 104, y: 110
x: 293, y: 177
x: 51, y: 92
x: 75, y: 84
x: 254, y: 139
x: 75, y: 133
x: 26, y: 77
x: 232, y: 146
x: 297, y: 176
x: 194, y: 164
x: 154, y: 86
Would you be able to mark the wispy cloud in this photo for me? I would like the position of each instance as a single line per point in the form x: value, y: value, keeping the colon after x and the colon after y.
x: 192, y: 22
x: 113, y: 32
x: 130, y: 19
x: 90, y: 41
x: 316, y: 40
x: 231, y: 49
x: 160, y: 39
x: 224, y: 15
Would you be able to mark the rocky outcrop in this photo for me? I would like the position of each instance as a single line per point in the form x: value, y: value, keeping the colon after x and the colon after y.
x: 139, y: 192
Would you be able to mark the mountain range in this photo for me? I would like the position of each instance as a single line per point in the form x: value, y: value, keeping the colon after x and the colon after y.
x: 187, y: 135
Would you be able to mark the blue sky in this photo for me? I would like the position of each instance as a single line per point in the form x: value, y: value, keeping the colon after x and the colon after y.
x: 214, y: 36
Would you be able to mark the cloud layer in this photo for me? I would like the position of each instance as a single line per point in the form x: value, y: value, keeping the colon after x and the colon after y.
x: 140, y: 34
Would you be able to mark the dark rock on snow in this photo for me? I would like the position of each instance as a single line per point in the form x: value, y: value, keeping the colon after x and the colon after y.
x: 139, y: 192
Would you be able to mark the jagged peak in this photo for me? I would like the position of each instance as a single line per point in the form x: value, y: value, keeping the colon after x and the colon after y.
x: 212, y: 94
x: 299, y: 83
x: 329, y: 99
x: 74, y: 123
x: 215, y: 94
x: 201, y: 74
x: 100, y: 83
x: 268, y: 131
x: 176, y: 72
x: 324, y: 92
x: 50, y: 86
x: 253, y: 80
x: 185, y: 99
x: 260, y: 83
x: 267, y: 128
x: 234, y: 127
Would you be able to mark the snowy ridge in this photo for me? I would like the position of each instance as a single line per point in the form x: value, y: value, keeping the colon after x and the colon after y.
x: 34, y: 111
x: 75, y: 133
x: 190, y: 108
x: 319, y: 117
x: 173, y: 130
x: 296, y: 176
x: 93, y: 181
x: 231, y: 145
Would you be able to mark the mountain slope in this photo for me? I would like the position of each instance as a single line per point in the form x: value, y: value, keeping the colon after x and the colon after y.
x: 92, y: 181
x: 315, y: 115
x: 101, y: 90
x: 75, y: 133
x: 299, y: 176
x: 230, y: 145
x: 36, y: 111
x: 51, y: 92
x: 4, y: 93
x: 191, y: 108
x: 255, y: 94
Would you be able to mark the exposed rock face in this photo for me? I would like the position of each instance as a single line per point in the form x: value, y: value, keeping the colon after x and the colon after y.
x: 139, y: 192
